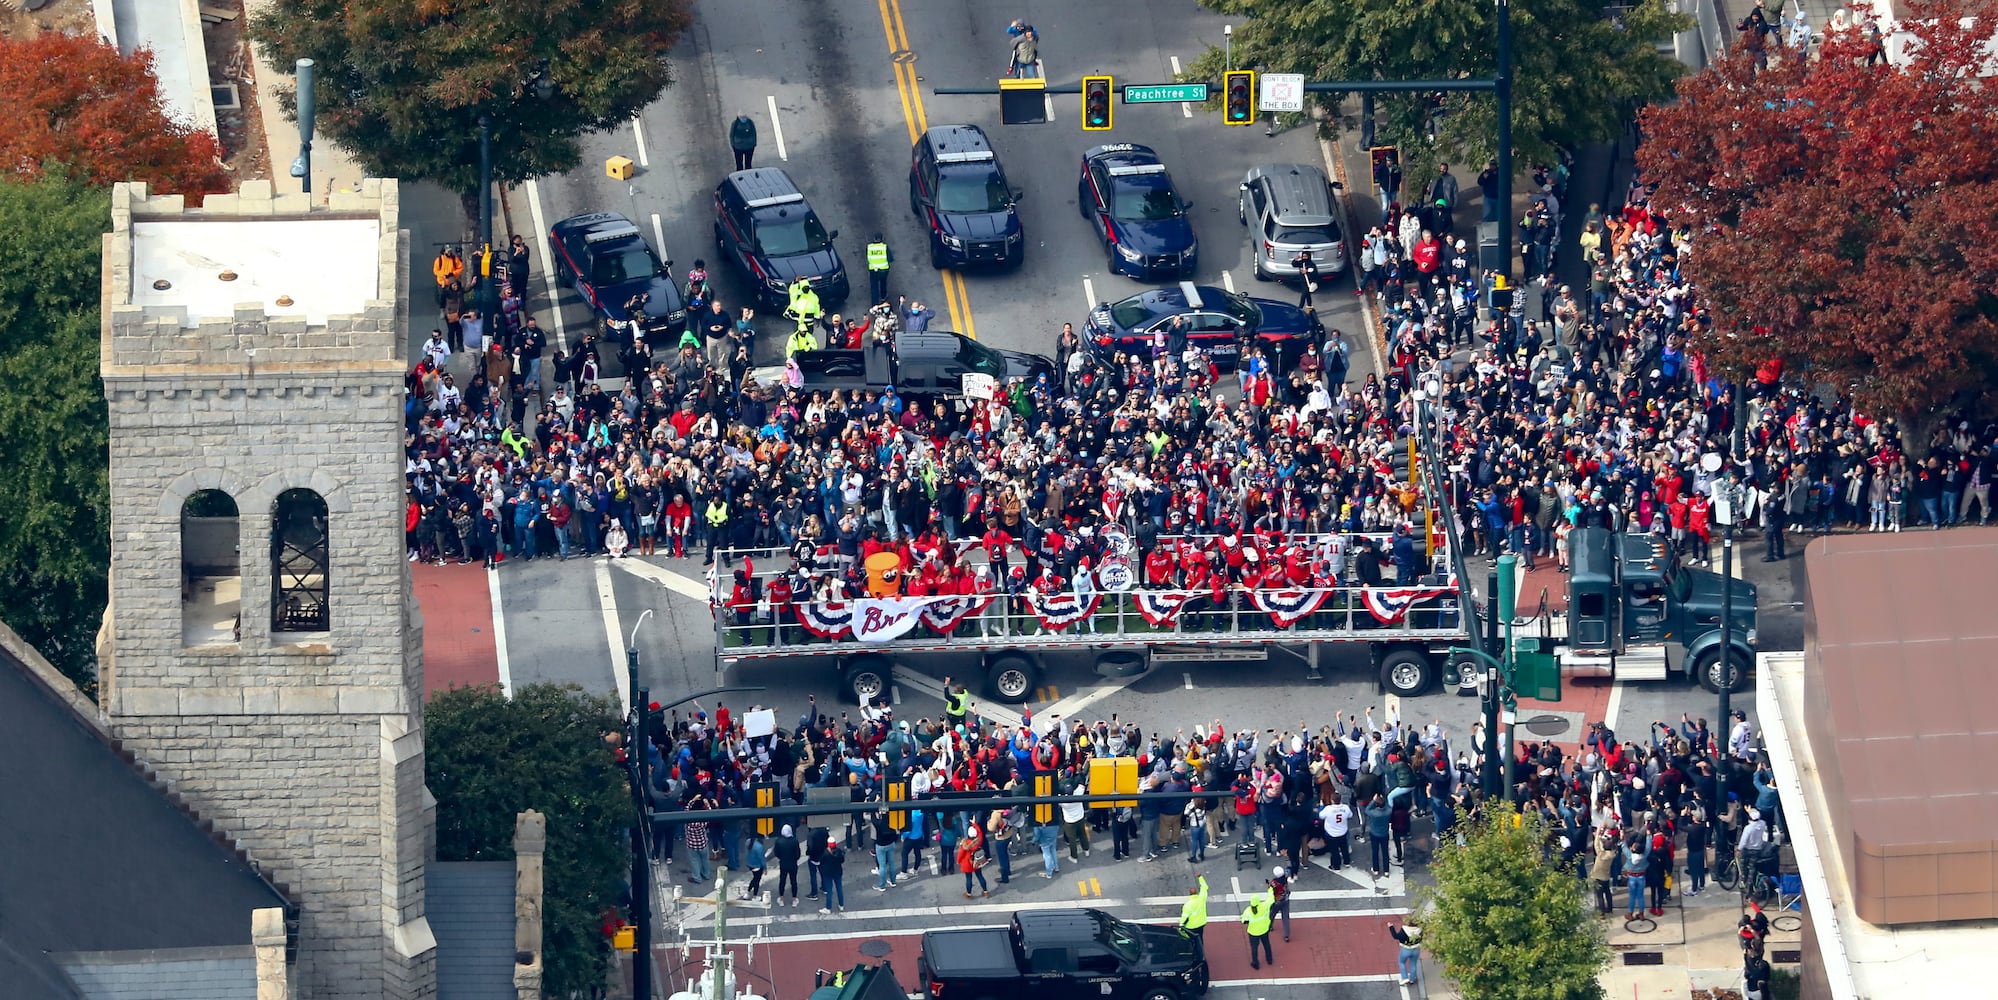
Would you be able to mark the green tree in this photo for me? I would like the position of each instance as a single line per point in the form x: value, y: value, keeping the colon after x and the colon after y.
x: 1506, y: 921
x: 402, y: 83
x: 54, y: 462
x: 1576, y: 73
x: 488, y: 757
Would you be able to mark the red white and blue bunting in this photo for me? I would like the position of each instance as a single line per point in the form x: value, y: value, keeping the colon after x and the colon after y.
x: 1161, y: 608
x: 942, y: 614
x: 1059, y: 611
x: 827, y: 620
x: 1288, y: 607
x: 1390, y: 604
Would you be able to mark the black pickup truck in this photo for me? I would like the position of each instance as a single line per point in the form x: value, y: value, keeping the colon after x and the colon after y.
x: 931, y: 363
x: 1074, y: 954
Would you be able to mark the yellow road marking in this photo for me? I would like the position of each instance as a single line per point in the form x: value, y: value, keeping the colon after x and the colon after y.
x: 957, y: 300
x: 1096, y: 887
x: 1082, y: 886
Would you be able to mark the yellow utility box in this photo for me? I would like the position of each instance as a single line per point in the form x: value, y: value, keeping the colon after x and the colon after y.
x: 620, y: 167
x: 1114, y: 776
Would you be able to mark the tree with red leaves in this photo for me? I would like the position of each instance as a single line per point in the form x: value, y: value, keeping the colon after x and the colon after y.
x: 75, y: 104
x: 1844, y: 216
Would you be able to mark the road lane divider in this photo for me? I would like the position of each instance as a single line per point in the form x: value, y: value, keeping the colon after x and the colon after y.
x: 901, y: 59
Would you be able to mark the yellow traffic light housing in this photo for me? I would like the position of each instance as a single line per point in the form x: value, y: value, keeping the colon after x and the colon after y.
x: 1097, y: 94
x: 1238, y: 96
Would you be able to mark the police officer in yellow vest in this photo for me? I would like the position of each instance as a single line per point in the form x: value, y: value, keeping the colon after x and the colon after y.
x: 1193, y: 915
x: 878, y: 259
x: 957, y: 703
x: 1257, y: 917
x: 801, y: 339
x: 717, y: 518
x: 804, y: 305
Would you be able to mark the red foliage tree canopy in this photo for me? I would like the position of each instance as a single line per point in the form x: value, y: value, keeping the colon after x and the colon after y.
x: 77, y: 103
x: 1844, y: 217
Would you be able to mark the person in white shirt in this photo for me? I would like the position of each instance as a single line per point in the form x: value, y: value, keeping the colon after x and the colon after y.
x: 436, y: 349
x: 1336, y: 819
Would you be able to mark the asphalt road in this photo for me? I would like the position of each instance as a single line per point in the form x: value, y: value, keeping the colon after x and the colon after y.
x: 847, y: 87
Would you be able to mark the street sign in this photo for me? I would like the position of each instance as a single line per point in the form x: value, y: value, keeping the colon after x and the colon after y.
x: 1166, y: 93
x: 1281, y: 92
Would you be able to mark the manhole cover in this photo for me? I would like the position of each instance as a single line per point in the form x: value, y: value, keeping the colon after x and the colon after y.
x: 1546, y: 725
x: 876, y: 948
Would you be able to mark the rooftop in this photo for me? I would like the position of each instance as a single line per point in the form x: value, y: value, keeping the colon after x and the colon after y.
x: 1899, y: 642
x: 102, y: 861
x: 1856, y: 958
x: 309, y: 267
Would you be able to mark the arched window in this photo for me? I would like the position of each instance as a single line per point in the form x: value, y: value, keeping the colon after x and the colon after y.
x: 211, y: 570
x: 299, y: 563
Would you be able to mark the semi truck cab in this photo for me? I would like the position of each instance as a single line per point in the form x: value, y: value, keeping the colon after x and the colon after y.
x: 1636, y: 612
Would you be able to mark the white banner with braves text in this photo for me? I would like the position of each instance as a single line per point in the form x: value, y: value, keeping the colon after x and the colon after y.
x: 883, y: 619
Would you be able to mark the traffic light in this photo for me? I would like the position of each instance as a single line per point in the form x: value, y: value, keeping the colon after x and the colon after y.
x: 1238, y: 91
x: 1498, y: 298
x: 1096, y: 91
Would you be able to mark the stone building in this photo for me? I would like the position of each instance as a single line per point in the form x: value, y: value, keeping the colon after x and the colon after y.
x: 262, y: 651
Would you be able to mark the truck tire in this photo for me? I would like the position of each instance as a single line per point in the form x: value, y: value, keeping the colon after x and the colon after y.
x: 1160, y: 993
x: 1407, y: 672
x: 1707, y: 670
x: 865, y: 676
x: 1012, y: 677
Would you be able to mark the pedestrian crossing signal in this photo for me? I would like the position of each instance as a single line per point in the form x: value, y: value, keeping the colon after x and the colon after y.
x: 766, y: 798
x: 1096, y: 91
x: 1238, y: 90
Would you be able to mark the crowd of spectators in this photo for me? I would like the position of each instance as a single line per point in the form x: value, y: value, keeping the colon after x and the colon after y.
x: 1617, y: 812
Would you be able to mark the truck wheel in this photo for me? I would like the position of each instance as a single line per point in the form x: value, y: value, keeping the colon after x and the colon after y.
x: 937, y: 255
x: 1708, y: 670
x: 865, y: 677
x: 1160, y: 993
x: 1012, y: 677
x: 1407, y: 672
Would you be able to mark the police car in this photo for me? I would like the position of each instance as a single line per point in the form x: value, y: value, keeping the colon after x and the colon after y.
x: 606, y: 260
x: 959, y: 191
x: 765, y: 227
x: 1215, y: 319
x: 1126, y: 193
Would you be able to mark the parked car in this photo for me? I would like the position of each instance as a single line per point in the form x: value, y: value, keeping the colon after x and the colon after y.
x: 1290, y: 208
x: 959, y: 191
x: 604, y: 257
x: 766, y: 228
x: 1126, y: 193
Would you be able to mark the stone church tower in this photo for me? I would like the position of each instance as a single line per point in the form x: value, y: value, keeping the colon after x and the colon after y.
x: 263, y: 651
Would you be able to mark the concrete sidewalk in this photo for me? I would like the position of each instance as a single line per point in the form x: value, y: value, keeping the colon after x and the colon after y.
x: 332, y: 169
x: 1694, y: 945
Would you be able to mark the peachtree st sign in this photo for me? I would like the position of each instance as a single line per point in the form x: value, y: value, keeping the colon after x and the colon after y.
x: 1164, y: 93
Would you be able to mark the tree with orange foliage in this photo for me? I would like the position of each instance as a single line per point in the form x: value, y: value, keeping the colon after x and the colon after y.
x: 78, y: 104
x: 1844, y: 216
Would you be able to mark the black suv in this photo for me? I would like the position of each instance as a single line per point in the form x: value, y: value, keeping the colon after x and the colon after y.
x: 958, y: 189
x: 1062, y: 954
x: 767, y: 228
x: 605, y: 258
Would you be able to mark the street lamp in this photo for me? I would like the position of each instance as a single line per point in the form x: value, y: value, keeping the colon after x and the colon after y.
x: 308, y: 102
x: 538, y: 84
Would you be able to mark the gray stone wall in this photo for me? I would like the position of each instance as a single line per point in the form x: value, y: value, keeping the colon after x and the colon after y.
x: 306, y: 748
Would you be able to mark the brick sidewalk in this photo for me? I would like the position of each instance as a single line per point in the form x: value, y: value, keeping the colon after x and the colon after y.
x: 459, y: 647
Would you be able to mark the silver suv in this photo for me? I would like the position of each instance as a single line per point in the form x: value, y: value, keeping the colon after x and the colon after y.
x: 1291, y: 209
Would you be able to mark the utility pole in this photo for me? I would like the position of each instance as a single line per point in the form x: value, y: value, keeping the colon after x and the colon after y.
x: 637, y: 758
x: 1490, y: 775
x: 487, y: 306
x: 1726, y: 509
x: 1502, y: 92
